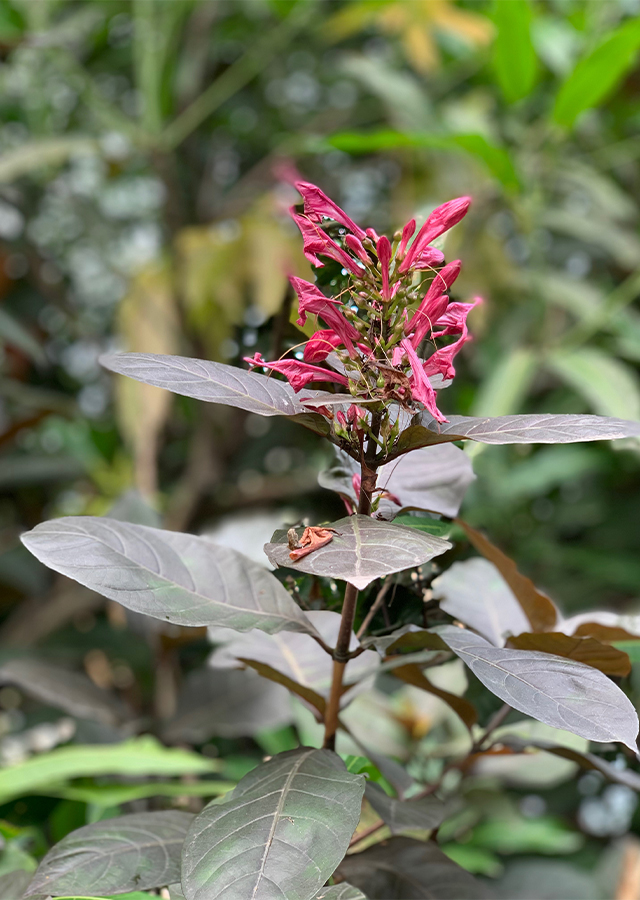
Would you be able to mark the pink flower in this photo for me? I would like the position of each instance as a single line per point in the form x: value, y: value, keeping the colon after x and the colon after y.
x: 298, y: 374
x: 356, y: 247
x: 434, y: 303
x: 384, y: 256
x: 315, y: 241
x: 314, y: 302
x: 441, y: 219
x: 420, y: 385
x: 320, y: 345
x: 317, y: 205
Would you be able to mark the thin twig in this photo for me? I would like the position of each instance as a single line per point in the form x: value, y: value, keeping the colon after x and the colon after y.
x: 375, y: 606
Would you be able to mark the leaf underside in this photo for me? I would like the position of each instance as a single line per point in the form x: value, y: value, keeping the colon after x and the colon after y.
x: 180, y: 578
x: 557, y: 691
x: 362, y: 550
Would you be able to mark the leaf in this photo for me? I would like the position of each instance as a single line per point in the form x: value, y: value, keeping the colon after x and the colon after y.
x: 529, y: 429
x: 227, y: 703
x: 362, y: 550
x: 209, y: 381
x: 608, y: 385
x: 13, y: 884
x: 35, y: 154
x: 584, y: 759
x: 401, y: 816
x: 514, y: 57
x: 115, y: 794
x: 12, y: 331
x: 602, y: 625
x: 406, y: 869
x: 296, y: 655
x: 556, y: 691
x: 315, y: 700
x: 341, y: 891
x: 586, y: 650
x: 411, y: 673
x: 139, y: 756
x: 503, y: 391
x: 426, y: 524
x: 475, y: 592
x: 434, y: 478
x: 597, y: 74
x: 70, y: 691
x: 138, y: 851
x: 537, y: 607
x: 496, y: 158
x: 180, y: 578
x: 280, y: 833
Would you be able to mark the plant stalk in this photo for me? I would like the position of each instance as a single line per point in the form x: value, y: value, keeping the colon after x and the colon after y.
x: 341, y: 651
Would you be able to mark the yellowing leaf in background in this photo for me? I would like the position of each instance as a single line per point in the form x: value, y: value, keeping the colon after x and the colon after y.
x: 148, y: 323
x: 416, y: 23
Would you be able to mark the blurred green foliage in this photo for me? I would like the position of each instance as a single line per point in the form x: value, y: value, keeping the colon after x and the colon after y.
x: 145, y: 147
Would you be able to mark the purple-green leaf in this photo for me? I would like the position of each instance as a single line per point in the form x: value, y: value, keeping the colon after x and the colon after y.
x: 557, y: 691
x: 180, y: 578
x: 280, y: 833
x: 362, y: 550
x: 136, y: 852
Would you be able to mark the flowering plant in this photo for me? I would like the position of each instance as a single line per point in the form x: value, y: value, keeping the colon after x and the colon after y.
x: 295, y: 827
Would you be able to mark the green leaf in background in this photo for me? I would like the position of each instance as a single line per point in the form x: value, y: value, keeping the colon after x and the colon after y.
x: 503, y: 391
x: 514, y: 57
x: 496, y: 159
x: 107, y: 795
x: 425, y: 523
x: 609, y: 386
x: 141, y: 756
x: 598, y: 73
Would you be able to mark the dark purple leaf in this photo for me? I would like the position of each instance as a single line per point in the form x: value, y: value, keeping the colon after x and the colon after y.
x: 63, y: 689
x: 405, y: 869
x: 180, y: 578
x: 227, y: 703
x: 136, y: 852
x: 362, y: 550
x: 406, y: 815
x: 556, y: 691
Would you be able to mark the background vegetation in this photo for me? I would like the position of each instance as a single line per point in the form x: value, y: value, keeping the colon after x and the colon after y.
x: 145, y: 151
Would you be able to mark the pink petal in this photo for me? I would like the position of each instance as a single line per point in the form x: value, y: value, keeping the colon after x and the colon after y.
x: 320, y: 345
x: 407, y: 234
x: 315, y: 241
x: 317, y: 205
x: 441, y: 219
x: 298, y: 374
x: 421, y: 389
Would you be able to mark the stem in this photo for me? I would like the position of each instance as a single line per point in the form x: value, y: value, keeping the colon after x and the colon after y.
x: 341, y: 652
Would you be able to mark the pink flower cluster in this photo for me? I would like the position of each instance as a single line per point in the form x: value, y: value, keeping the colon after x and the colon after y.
x: 378, y: 326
